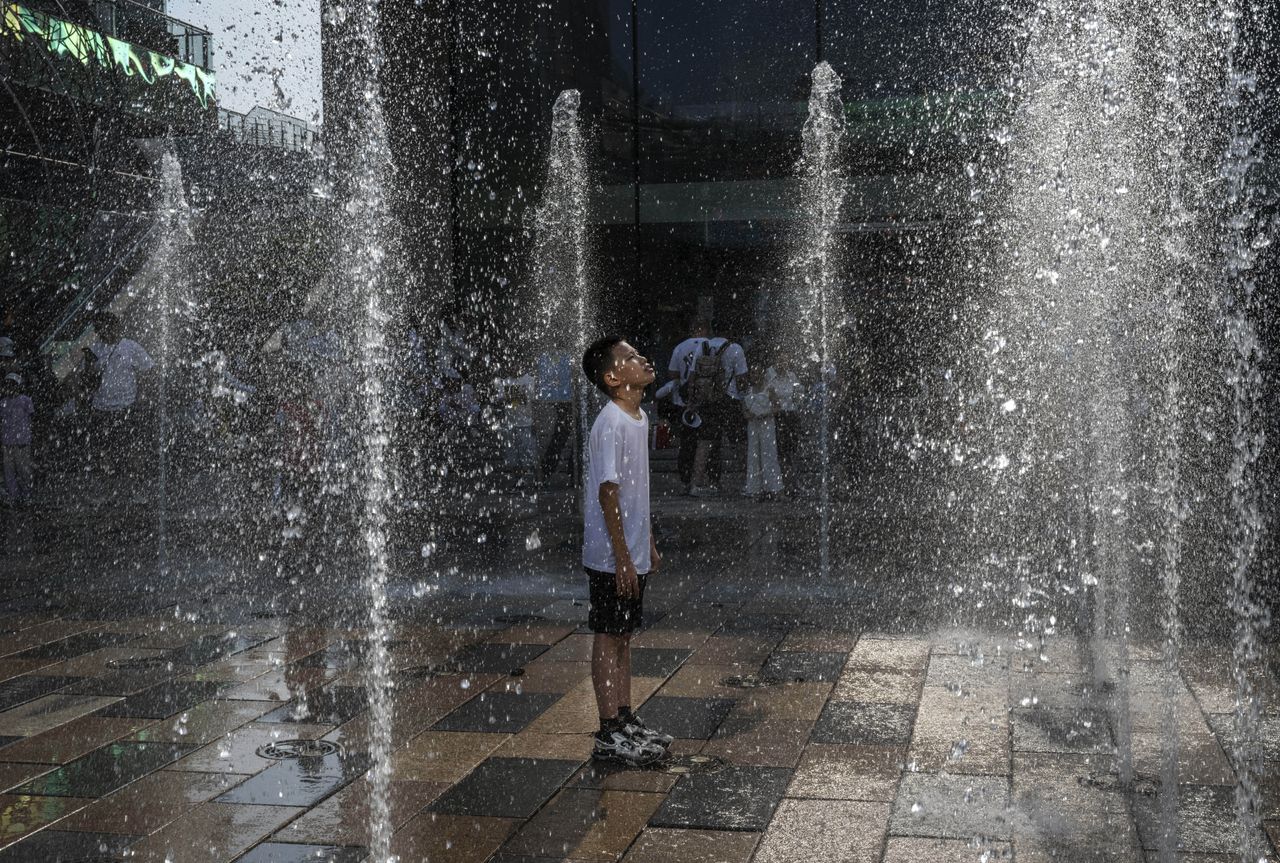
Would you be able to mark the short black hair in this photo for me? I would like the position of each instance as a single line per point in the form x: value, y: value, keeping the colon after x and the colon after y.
x: 598, y: 359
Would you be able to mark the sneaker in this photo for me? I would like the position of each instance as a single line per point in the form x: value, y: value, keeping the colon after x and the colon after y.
x: 621, y: 747
x: 702, y: 491
x: 644, y: 734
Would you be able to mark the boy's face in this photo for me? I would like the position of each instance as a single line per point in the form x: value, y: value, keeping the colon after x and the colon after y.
x: 630, y: 369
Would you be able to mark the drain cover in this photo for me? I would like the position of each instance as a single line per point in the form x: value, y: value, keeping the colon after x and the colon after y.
x: 683, y: 765
x: 135, y: 663
x: 283, y: 749
x: 1145, y: 786
x: 751, y: 681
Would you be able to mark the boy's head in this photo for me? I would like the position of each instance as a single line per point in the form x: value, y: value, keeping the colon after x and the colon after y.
x: 613, y: 365
x: 12, y: 384
x: 699, y: 327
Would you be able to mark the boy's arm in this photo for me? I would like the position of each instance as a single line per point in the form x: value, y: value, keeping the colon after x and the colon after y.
x: 628, y: 581
x: 655, y: 559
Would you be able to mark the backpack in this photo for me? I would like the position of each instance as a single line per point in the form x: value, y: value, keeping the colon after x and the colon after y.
x: 708, y: 384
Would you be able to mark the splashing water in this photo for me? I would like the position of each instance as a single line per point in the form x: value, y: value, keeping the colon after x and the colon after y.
x: 365, y: 235
x: 564, y: 316
x: 1240, y: 228
x: 817, y: 265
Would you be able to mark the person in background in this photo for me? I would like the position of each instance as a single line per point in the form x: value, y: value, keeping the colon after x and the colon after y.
x: 706, y: 370
x: 784, y: 385
x: 521, y: 448
x: 117, y: 362
x: 555, y: 387
x: 16, y: 411
x: 764, y: 477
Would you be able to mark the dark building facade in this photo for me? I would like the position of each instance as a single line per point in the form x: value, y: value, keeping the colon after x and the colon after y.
x: 694, y: 110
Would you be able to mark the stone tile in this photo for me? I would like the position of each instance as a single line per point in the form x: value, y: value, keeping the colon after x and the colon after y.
x: 103, y: 770
x: 867, y: 724
x: 585, y: 824
x: 281, y: 684
x: 657, y: 661
x: 237, y: 752
x: 901, y: 654
x: 1059, y: 813
x: 15, y: 773
x: 42, y: 633
x: 299, y: 781
x: 506, y: 787
x: 62, y: 846
x: 952, y: 807
x: 281, y: 852
x: 732, y: 798
x: 619, y: 777
x: 819, y: 639
x: 215, y: 646
x: 144, y: 806
x: 1203, y: 811
x: 901, y: 849
x: 100, y: 662
x: 50, y: 711
x: 205, y: 722
x: 163, y: 700
x: 661, y: 845
x: 1043, y: 729
x: 1201, y: 760
x: 704, y: 681
x: 959, y: 735
x: 833, y: 831
x: 531, y: 633
x: 444, y: 756
x: 848, y: 772
x: 432, y: 836
x: 693, y: 718
x: 75, y: 645
x: 344, y: 818
x: 331, y: 706
x: 497, y: 658
x: 734, y: 652
x: 968, y: 673
x: 20, y: 690
x: 129, y: 681
x: 686, y: 639
x: 878, y: 686
x: 212, y: 833
x: 21, y: 814
x: 568, y: 747
x: 575, y: 648
x: 804, y: 666
x: 498, y: 712
x: 577, y: 713
x: 765, y: 741
x: 761, y: 623
x: 547, y: 677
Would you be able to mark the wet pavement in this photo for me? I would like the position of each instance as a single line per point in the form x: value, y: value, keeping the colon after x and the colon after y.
x: 163, y: 726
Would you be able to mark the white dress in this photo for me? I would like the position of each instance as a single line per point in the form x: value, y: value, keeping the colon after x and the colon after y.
x: 763, y: 472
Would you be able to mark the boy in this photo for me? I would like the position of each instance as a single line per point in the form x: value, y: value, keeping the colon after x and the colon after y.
x: 618, y: 550
x: 15, y: 437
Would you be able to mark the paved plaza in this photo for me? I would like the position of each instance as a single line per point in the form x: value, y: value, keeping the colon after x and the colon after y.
x: 160, y: 726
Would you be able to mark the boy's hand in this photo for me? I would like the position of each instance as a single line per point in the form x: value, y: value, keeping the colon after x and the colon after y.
x: 655, y: 559
x: 628, y: 583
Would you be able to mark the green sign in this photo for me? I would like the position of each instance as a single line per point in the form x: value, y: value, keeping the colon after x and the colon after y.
x: 62, y: 38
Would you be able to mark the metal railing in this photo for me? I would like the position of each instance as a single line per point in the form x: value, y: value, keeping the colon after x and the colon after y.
x: 144, y: 26
x: 281, y: 132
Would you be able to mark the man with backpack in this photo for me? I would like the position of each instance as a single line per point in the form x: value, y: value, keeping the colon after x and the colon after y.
x: 706, y: 370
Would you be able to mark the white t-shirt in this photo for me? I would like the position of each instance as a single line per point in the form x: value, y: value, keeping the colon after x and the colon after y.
x: 120, y: 364
x: 786, y: 386
x: 618, y: 452
x: 733, y: 361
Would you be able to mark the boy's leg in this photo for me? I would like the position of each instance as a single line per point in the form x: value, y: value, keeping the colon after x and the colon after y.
x: 606, y: 671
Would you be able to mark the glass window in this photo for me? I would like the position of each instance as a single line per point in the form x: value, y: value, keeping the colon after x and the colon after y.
x: 723, y: 87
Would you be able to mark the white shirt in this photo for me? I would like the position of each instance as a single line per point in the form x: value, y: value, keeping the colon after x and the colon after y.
x: 618, y: 452
x: 786, y: 386
x: 120, y: 364
x: 733, y: 361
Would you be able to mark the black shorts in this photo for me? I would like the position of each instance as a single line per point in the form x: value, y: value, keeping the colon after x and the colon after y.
x: 611, y: 614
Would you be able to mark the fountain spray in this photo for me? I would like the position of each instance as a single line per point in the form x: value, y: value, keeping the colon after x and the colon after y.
x: 363, y: 243
x: 822, y: 194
